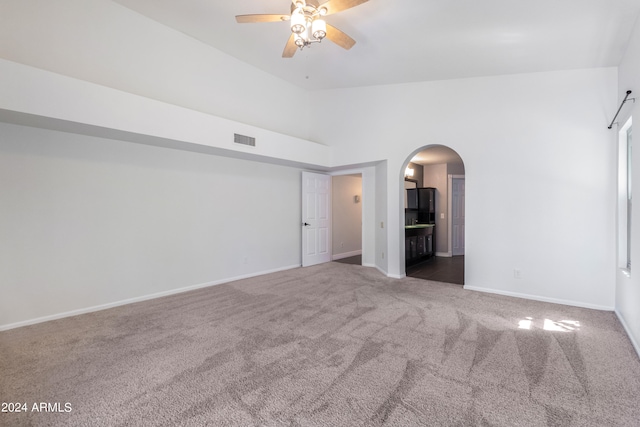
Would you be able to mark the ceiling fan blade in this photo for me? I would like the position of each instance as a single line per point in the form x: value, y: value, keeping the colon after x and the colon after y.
x: 246, y: 19
x: 290, y: 48
x: 339, y: 38
x: 335, y: 6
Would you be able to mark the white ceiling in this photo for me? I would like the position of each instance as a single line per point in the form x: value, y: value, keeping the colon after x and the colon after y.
x: 413, y: 40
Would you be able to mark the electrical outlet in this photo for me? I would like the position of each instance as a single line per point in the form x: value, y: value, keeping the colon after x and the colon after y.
x: 442, y: 215
x: 517, y: 273
x: 342, y: 244
x: 382, y: 224
x: 246, y: 260
x: 382, y: 255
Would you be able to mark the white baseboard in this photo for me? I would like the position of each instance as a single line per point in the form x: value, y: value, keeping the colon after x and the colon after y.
x: 137, y: 299
x: 635, y: 344
x: 539, y: 298
x: 396, y: 276
x: 377, y: 267
x: 346, y: 255
x: 444, y: 254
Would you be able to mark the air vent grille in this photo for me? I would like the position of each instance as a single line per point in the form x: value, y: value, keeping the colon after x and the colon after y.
x: 244, y: 140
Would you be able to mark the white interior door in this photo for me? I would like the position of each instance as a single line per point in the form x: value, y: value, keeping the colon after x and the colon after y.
x: 316, y: 218
x: 457, y: 216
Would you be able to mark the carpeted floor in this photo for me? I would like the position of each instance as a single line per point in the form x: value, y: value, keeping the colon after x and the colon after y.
x: 329, y: 345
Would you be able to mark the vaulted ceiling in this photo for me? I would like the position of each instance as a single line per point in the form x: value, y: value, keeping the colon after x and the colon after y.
x: 402, y: 41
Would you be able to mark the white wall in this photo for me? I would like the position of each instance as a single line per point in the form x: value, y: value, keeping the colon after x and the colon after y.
x: 381, y: 225
x: 346, y: 221
x: 539, y: 164
x: 90, y: 222
x: 106, y: 43
x: 628, y: 288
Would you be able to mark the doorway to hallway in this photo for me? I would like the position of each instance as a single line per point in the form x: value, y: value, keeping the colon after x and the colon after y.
x: 347, y: 216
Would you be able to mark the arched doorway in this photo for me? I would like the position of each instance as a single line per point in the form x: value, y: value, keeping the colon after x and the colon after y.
x: 434, y: 230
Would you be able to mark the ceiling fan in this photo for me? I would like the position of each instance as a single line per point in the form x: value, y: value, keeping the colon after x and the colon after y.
x: 307, y: 23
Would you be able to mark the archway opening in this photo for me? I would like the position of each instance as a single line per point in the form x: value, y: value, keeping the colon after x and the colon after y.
x: 433, y: 219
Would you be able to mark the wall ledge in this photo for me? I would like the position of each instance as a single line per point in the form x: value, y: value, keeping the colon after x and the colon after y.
x: 34, y: 97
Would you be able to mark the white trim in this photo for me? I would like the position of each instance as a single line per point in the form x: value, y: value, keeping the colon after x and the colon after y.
x: 346, y: 255
x: 396, y: 276
x: 137, y: 299
x: 635, y: 344
x: 450, y: 178
x: 444, y: 254
x: 621, y: 226
x: 449, y: 205
x: 539, y: 298
x: 626, y: 272
x: 377, y: 267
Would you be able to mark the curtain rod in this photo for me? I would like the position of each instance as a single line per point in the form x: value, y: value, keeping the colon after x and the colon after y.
x: 618, y: 112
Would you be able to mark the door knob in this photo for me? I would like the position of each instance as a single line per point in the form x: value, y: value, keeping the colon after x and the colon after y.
x: 306, y: 224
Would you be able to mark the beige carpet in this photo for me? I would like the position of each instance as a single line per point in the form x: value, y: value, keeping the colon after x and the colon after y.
x: 329, y: 345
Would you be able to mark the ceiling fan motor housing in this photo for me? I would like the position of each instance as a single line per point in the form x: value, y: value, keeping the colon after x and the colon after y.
x: 309, y: 7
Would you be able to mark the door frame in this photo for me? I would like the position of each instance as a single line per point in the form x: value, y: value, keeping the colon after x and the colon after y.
x: 450, y: 179
x: 368, y: 200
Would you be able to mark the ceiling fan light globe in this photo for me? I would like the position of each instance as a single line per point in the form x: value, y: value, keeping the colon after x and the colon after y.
x: 299, y: 40
x: 319, y: 29
x: 298, y: 21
